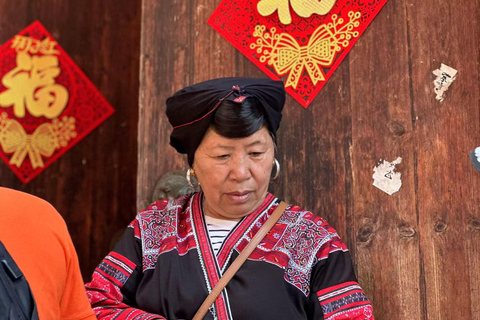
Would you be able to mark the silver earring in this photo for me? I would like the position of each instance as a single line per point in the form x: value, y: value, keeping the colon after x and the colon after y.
x: 277, y: 168
x: 190, y: 172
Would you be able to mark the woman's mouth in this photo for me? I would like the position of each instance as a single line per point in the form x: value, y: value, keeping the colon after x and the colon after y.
x: 239, y: 197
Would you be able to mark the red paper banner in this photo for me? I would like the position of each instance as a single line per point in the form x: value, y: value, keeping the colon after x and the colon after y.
x: 302, y: 41
x: 47, y: 104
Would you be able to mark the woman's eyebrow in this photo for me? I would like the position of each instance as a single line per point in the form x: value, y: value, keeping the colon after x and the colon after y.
x: 221, y: 146
x: 256, y: 142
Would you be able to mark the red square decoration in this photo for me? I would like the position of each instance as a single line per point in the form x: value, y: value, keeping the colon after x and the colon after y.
x: 47, y: 104
x: 301, y: 41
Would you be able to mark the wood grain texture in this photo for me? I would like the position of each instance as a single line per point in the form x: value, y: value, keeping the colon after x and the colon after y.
x: 93, y: 185
x: 416, y: 252
x: 448, y: 197
x: 385, y: 226
x: 166, y: 65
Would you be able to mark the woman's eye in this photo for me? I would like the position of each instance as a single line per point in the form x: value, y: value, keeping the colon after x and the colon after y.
x: 256, y: 154
x: 222, y: 157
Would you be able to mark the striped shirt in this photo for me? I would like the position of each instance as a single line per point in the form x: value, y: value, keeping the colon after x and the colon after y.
x: 218, y: 230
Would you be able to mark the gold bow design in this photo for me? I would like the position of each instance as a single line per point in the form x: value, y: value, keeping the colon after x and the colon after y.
x: 287, y: 56
x: 43, y: 142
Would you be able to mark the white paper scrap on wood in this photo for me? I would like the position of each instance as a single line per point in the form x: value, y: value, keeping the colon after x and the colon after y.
x: 385, y: 178
x: 445, y: 76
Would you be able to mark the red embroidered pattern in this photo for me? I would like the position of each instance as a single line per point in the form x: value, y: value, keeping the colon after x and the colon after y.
x: 345, y: 301
x: 208, y: 262
x: 161, y: 232
x: 294, y: 244
x: 103, y: 291
x: 246, y: 225
x: 211, y: 265
x: 116, y: 268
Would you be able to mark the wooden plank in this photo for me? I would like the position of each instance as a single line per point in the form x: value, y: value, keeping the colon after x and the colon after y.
x: 448, y: 197
x: 93, y: 185
x: 166, y: 66
x: 214, y: 57
x: 313, y: 148
x: 386, y: 227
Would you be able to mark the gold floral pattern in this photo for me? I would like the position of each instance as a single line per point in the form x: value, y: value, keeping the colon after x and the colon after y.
x: 283, y: 52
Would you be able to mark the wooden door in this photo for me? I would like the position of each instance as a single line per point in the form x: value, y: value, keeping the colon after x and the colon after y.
x: 417, y: 251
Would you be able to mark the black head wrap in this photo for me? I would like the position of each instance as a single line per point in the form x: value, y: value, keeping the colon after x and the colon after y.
x: 191, y: 109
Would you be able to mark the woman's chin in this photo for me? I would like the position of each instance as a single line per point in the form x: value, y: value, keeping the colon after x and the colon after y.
x: 241, y: 208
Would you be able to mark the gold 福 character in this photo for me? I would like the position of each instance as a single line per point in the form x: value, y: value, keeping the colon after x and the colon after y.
x: 304, y: 8
x: 31, y: 85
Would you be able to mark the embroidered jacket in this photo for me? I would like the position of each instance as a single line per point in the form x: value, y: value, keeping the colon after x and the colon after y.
x: 164, y: 267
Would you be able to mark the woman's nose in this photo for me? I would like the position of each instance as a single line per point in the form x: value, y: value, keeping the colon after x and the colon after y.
x: 240, y: 169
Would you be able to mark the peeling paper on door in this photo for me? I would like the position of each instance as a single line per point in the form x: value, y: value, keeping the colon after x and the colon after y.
x: 385, y: 178
x: 445, y: 77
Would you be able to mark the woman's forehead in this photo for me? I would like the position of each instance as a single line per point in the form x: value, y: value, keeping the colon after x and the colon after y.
x: 214, y: 140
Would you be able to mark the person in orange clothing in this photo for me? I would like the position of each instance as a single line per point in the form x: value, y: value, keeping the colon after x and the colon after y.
x: 37, y: 238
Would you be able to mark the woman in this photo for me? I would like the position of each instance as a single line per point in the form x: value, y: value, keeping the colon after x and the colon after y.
x: 175, y: 251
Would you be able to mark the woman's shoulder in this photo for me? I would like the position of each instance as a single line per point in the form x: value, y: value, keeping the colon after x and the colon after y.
x: 162, y: 208
x: 304, y: 224
x: 170, y: 205
x: 161, y: 214
x: 297, y: 215
x: 305, y: 237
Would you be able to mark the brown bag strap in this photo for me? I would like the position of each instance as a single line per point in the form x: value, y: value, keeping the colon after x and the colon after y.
x: 202, y: 311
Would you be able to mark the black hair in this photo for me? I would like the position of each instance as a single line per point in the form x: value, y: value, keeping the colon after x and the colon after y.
x: 239, y: 120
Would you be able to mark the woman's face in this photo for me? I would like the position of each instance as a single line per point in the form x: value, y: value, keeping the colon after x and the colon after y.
x: 234, y: 173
